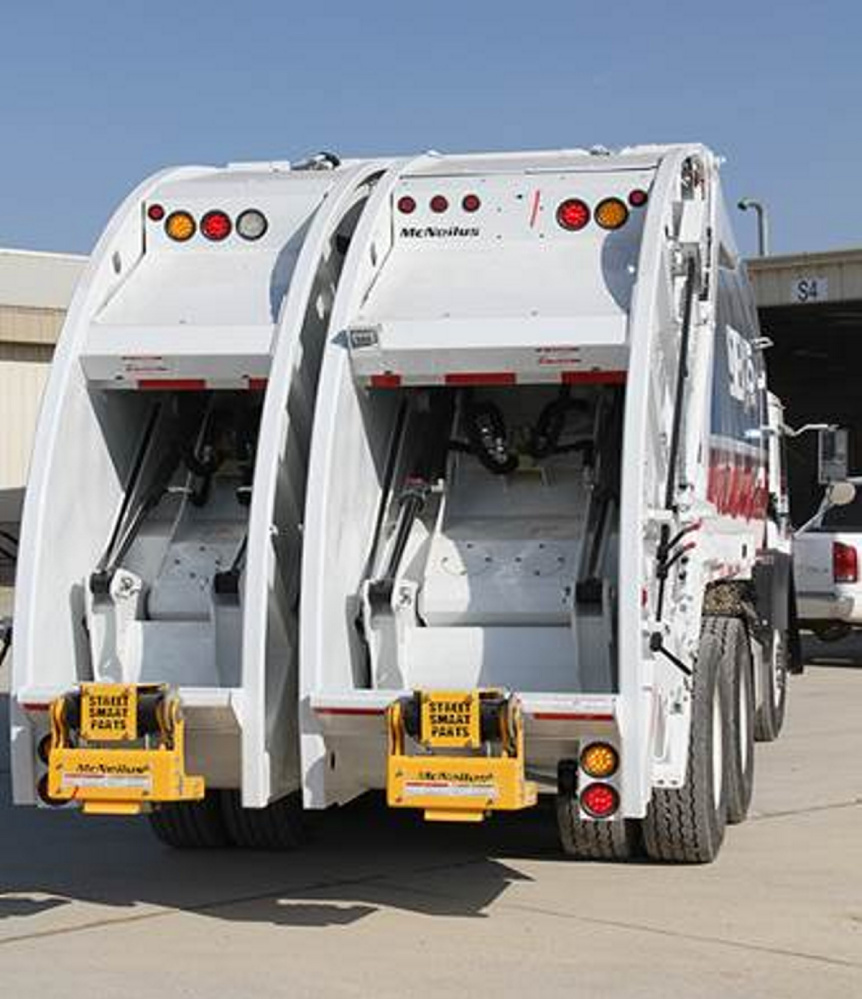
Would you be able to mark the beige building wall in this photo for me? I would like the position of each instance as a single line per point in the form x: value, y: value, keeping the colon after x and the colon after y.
x: 35, y: 290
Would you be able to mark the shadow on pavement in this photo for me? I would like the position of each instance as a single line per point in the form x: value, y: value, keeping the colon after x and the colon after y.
x: 845, y: 652
x: 362, y: 857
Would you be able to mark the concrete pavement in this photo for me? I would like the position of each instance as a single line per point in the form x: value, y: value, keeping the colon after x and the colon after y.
x: 381, y: 905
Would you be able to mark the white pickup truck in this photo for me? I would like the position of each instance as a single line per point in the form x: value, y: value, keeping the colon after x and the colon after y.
x: 826, y: 554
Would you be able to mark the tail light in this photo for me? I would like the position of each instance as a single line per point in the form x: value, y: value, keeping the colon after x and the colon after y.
x: 439, y: 203
x: 251, y: 224
x: 180, y: 226
x: 611, y: 213
x: 573, y: 214
x: 470, y: 202
x: 155, y: 212
x: 599, y: 759
x: 600, y: 800
x: 406, y: 204
x: 638, y: 198
x: 845, y: 563
x: 216, y: 225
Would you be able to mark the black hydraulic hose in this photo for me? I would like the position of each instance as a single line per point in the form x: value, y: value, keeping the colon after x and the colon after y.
x: 412, y: 501
x: 131, y: 483
x: 663, y: 552
x: 151, y: 499
x: 388, y: 478
x: 5, y: 638
x: 681, y: 376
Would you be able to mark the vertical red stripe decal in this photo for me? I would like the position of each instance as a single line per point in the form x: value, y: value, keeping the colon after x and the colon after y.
x: 534, y: 212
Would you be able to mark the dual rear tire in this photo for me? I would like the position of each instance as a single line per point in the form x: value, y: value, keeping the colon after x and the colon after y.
x: 686, y: 825
x: 220, y: 821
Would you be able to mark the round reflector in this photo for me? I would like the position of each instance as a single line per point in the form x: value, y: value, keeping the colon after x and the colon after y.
x: 43, y: 750
x: 638, y: 198
x: 216, y: 225
x: 180, y: 226
x: 611, y: 213
x: 439, y: 203
x: 45, y: 794
x: 251, y: 224
x: 599, y: 800
x: 573, y: 214
x: 406, y: 205
x: 470, y: 202
x: 599, y: 759
x: 156, y: 213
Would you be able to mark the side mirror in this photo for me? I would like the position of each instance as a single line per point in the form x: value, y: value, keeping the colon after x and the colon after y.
x: 833, y: 449
x: 840, y: 493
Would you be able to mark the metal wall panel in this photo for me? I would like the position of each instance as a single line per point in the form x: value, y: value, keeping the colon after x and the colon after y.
x: 21, y: 386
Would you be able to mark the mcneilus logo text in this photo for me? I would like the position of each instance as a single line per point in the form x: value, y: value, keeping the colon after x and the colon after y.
x: 436, y: 231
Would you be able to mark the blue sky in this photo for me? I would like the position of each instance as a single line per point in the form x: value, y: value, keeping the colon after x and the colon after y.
x: 96, y: 95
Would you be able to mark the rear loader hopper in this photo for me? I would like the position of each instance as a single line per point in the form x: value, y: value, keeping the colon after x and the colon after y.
x: 451, y: 478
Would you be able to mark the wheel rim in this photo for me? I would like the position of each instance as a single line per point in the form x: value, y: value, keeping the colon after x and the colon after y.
x: 776, y: 668
x: 717, y: 749
x: 744, y: 746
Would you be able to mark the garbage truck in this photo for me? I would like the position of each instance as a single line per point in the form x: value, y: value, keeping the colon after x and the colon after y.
x: 454, y: 476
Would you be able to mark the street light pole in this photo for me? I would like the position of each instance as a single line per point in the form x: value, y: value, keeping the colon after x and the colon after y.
x: 762, y: 223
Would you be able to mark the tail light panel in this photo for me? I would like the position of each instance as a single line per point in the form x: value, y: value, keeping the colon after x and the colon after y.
x: 845, y: 563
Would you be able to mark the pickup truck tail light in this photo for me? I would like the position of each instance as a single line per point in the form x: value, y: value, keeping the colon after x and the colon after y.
x: 845, y: 563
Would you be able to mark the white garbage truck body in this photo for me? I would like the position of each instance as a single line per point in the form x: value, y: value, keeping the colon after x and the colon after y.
x: 540, y: 484
x: 448, y: 476
x: 166, y: 490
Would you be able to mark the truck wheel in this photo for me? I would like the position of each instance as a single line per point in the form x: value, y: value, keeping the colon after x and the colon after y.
x: 686, y: 825
x: 595, y: 840
x: 769, y: 718
x: 732, y: 635
x: 279, y: 826
x: 191, y: 825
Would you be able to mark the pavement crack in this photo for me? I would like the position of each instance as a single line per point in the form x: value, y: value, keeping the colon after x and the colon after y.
x: 678, y: 934
x: 760, y: 816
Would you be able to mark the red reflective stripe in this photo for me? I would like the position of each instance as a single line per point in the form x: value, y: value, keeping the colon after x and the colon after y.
x: 481, y: 378
x: 571, y: 716
x: 29, y: 706
x: 593, y: 377
x: 350, y: 711
x: 257, y: 384
x: 176, y: 384
x: 534, y: 212
x: 386, y: 381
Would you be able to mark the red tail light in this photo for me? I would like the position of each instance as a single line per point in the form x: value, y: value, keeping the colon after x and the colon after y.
x: 216, y: 226
x: 573, y: 214
x: 845, y: 563
x: 439, y: 203
x: 599, y: 800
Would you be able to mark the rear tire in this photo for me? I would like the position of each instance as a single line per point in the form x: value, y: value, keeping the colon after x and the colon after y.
x: 769, y: 719
x: 279, y: 826
x: 686, y: 825
x: 191, y: 825
x: 733, y: 636
x: 596, y: 840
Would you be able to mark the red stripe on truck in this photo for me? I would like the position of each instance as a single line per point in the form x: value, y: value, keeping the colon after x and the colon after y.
x: 593, y: 377
x: 571, y: 716
x: 388, y: 380
x: 481, y: 378
x: 174, y: 384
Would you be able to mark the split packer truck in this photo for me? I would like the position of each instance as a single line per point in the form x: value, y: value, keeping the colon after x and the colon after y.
x: 455, y: 476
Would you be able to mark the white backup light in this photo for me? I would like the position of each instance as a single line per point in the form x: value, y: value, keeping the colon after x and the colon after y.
x: 251, y: 224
